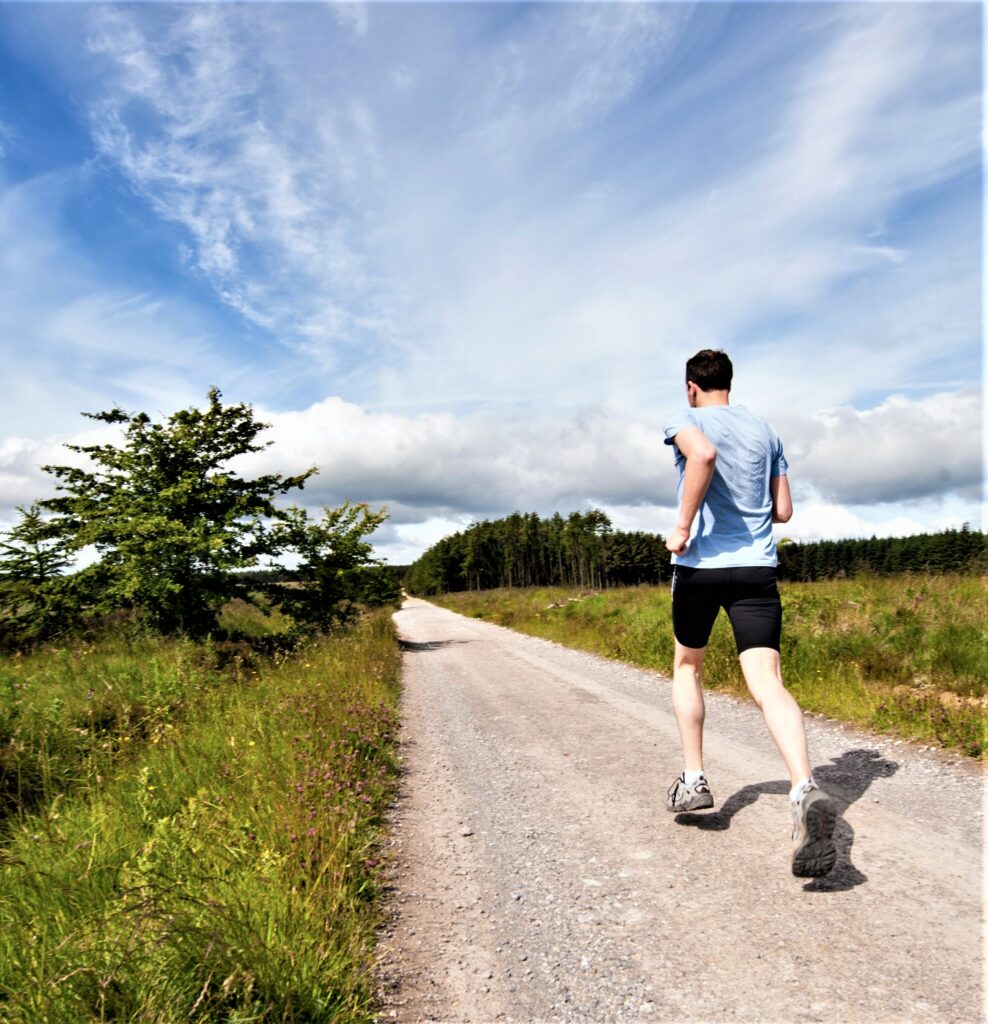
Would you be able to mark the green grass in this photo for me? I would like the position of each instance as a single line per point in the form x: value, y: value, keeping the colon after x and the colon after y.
x: 905, y: 655
x: 216, y: 861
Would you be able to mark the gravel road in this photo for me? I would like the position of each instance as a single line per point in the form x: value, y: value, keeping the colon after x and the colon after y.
x: 538, y: 877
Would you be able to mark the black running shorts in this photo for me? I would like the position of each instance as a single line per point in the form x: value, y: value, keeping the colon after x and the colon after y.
x: 748, y: 594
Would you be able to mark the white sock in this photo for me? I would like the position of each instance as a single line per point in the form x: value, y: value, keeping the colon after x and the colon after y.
x: 797, y: 791
x: 691, y: 778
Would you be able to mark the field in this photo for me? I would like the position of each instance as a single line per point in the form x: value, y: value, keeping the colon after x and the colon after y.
x: 904, y: 654
x: 188, y: 831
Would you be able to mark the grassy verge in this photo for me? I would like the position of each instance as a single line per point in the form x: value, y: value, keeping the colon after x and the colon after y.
x: 905, y: 655
x: 216, y: 861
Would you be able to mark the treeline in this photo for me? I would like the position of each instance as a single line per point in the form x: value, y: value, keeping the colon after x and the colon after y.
x: 524, y: 550
x: 583, y: 550
x: 960, y: 550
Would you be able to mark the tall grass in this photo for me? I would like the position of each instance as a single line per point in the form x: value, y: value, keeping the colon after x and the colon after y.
x: 906, y: 654
x: 217, y: 865
x: 70, y: 715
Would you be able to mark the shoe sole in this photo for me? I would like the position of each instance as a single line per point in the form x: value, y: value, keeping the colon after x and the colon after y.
x: 816, y: 854
x: 698, y: 804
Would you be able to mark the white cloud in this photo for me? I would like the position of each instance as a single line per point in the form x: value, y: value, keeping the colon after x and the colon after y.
x: 441, y: 250
x: 479, y: 464
x: 535, y: 293
x: 22, y: 480
x: 437, y: 473
x: 513, y: 218
x: 561, y: 69
x: 898, y: 451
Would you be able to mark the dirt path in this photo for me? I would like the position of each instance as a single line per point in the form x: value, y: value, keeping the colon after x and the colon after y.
x: 540, y: 878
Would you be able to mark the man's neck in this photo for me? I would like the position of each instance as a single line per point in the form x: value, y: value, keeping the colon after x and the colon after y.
x: 705, y: 398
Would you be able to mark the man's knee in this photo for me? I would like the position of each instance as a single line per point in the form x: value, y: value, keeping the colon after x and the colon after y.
x: 688, y: 657
x: 761, y: 663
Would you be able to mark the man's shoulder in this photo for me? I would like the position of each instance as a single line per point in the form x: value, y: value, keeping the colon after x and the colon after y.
x: 679, y: 420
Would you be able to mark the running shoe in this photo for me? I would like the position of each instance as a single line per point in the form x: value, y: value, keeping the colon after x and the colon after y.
x: 813, y: 817
x: 689, y: 798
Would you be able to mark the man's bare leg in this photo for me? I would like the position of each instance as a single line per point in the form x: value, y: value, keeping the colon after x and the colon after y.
x: 687, y: 703
x: 763, y: 674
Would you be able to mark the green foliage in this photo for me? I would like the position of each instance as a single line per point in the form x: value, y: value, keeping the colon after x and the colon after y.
x: 36, y: 597
x: 906, y: 654
x: 379, y: 586
x: 960, y: 550
x: 168, y: 515
x: 224, y: 869
x: 582, y: 550
x: 333, y: 551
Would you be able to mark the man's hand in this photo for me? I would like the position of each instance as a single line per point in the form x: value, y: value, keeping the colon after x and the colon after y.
x: 678, y: 540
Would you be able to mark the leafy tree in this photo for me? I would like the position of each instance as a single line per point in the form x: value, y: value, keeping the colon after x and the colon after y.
x: 168, y: 515
x: 330, y: 579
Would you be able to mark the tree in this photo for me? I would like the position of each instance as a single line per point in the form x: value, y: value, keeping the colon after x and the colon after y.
x: 168, y: 515
x: 34, y: 592
x: 329, y: 582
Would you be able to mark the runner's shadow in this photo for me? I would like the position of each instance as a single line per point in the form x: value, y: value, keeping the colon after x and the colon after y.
x: 720, y: 820
x: 846, y: 779
x: 428, y: 645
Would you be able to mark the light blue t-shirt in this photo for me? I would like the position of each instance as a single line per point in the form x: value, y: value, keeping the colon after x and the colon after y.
x: 734, y: 524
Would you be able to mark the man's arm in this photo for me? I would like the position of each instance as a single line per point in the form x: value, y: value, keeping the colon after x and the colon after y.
x: 781, y: 499
x: 701, y: 457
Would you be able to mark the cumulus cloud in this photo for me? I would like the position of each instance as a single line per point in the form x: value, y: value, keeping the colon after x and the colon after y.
x: 480, y: 464
x: 438, y: 472
x: 898, y: 451
x: 23, y: 481
x: 902, y: 450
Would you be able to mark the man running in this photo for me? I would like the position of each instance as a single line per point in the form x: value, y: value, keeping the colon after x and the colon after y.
x: 732, y: 487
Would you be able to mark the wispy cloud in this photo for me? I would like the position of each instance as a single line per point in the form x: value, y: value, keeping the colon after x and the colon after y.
x: 74, y: 341
x: 435, y: 265
x: 193, y: 113
x: 495, y: 232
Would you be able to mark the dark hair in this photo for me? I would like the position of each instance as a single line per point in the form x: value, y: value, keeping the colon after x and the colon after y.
x: 710, y: 370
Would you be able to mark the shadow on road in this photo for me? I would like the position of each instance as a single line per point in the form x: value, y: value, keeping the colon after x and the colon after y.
x: 429, y: 645
x: 845, y: 778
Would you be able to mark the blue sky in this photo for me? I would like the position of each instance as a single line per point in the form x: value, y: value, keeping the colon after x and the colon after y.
x: 457, y: 254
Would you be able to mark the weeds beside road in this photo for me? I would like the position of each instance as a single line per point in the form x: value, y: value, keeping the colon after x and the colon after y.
x: 186, y: 837
x: 902, y: 654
